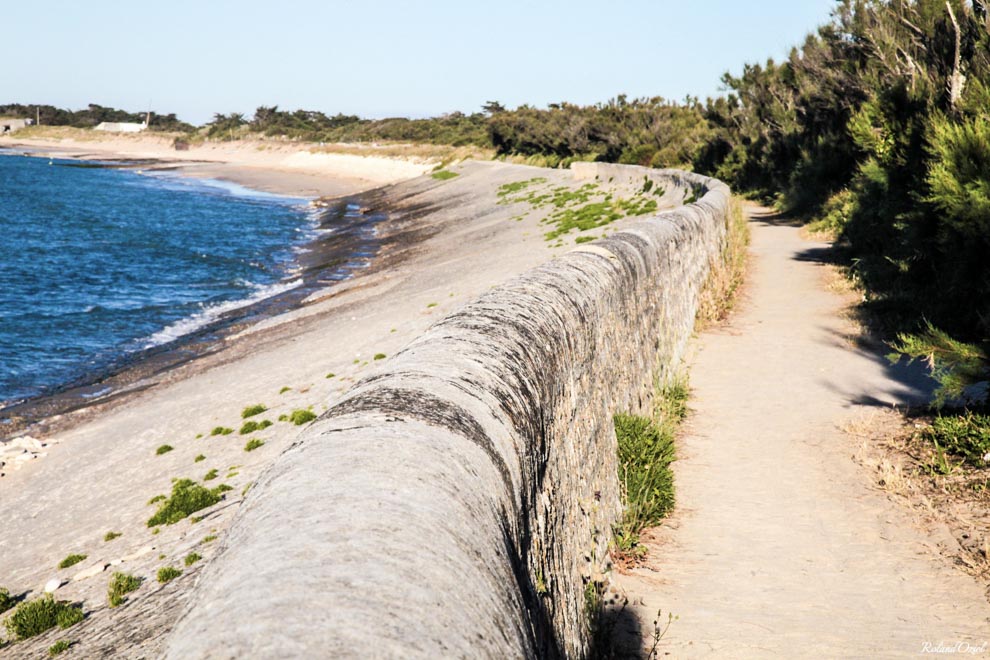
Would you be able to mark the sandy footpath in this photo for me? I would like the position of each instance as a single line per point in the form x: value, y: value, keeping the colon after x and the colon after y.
x: 447, y: 241
x: 780, y: 545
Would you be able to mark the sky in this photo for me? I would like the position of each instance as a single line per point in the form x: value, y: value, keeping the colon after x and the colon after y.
x: 382, y: 58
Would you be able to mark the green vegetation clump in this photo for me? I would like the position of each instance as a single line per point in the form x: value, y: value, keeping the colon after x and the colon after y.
x: 645, y: 452
x: 71, y: 560
x: 444, y: 175
x: 191, y: 559
x: 121, y: 584
x: 168, y: 573
x: 585, y: 239
x: 251, y: 411
x: 221, y: 430
x: 252, y: 426
x: 331, y: 375
x: 34, y: 617
x: 210, y: 538
x: 380, y: 356
x: 156, y: 499
x: 109, y: 536
x: 199, y: 457
x: 966, y: 435
x: 254, y: 444
x: 164, y: 449
x: 58, y: 647
x: 285, y: 389
x: 187, y: 498
x: 301, y: 416
x: 211, y: 475
x: 6, y: 600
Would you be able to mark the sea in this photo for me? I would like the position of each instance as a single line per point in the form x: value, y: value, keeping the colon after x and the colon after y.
x: 101, y: 261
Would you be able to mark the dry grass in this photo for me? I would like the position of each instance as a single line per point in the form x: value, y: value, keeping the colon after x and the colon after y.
x: 727, y: 272
x: 442, y: 154
x: 907, y: 467
x: 85, y: 134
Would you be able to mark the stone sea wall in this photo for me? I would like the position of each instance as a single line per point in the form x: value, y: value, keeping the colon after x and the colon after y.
x: 455, y: 504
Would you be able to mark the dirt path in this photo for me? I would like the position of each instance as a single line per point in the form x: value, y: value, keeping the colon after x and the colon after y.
x: 779, y: 546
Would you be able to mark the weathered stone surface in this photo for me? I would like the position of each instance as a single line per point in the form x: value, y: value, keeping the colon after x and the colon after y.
x: 418, y: 516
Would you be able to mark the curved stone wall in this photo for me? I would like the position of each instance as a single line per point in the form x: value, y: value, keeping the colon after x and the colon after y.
x: 456, y: 504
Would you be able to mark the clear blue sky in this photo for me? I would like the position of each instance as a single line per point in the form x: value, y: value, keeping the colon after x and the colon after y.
x: 382, y: 58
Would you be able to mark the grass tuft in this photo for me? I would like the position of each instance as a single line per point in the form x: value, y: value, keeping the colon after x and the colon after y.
x: 221, y: 430
x: 191, y: 559
x: 187, y: 498
x: 380, y: 356
x: 285, y: 389
x: 199, y: 458
x: 301, y: 416
x: 251, y: 411
x: 6, y: 600
x: 211, y: 475
x: 252, y: 426
x: 71, y: 560
x: 121, y: 584
x: 109, y: 536
x: 966, y: 435
x: 254, y: 444
x: 167, y: 574
x: 444, y: 175
x: 164, y: 449
x: 34, y: 617
x: 727, y: 271
x: 59, y: 647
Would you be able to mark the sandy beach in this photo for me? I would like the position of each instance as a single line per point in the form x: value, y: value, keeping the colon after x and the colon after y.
x: 94, y: 471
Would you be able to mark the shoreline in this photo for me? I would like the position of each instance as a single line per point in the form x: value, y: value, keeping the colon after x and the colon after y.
x: 341, y: 248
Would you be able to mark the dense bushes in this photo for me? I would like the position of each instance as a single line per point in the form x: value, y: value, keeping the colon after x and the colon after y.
x: 880, y: 126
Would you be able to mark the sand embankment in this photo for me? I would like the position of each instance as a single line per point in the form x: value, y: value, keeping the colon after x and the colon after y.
x: 274, y: 166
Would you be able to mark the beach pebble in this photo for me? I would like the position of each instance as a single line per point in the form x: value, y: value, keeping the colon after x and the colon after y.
x: 52, y: 585
x: 96, y: 569
x: 138, y: 553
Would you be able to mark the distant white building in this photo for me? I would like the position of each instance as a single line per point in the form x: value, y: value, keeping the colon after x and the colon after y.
x: 11, y: 124
x: 121, y: 127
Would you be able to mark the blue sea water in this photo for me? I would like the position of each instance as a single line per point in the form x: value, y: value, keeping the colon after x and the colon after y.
x: 100, y: 262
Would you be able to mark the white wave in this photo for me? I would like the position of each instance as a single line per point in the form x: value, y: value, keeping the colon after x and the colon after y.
x: 173, y: 181
x: 211, y: 313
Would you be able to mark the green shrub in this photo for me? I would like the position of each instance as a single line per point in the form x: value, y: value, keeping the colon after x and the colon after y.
x: 109, y: 536
x: 187, y: 498
x: 71, y: 560
x: 120, y: 584
x: 253, y: 444
x: 251, y: 411
x: 954, y: 365
x: 34, y: 617
x: 211, y: 475
x: 58, y: 647
x: 221, y: 430
x: 168, y: 573
x: 252, y: 426
x: 301, y: 416
x: 645, y: 455
x: 966, y: 435
x: 191, y: 558
x: 6, y: 600
x: 164, y: 449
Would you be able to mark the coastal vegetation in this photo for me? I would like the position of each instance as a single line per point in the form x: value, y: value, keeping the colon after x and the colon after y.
x: 34, y: 617
x: 187, y: 498
x: 251, y: 411
x: 645, y: 452
x: 167, y: 574
x: 301, y: 416
x: 59, y: 647
x: 191, y: 559
x: 163, y: 449
x: 71, y: 560
x: 253, y: 444
x: 109, y: 536
x: 120, y: 585
x: 251, y: 426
